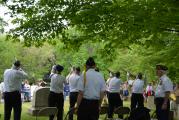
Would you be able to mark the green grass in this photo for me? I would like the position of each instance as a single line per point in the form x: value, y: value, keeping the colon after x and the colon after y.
x: 26, y: 116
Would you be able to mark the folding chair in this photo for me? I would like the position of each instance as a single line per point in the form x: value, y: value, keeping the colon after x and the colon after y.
x: 68, y: 113
x: 153, y: 115
x: 47, y: 111
x: 140, y: 113
x: 122, y: 111
x: 104, y: 111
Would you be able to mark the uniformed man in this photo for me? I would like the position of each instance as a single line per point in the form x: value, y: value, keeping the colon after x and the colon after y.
x: 12, y: 90
x: 73, y: 80
x: 114, y: 98
x: 108, y: 80
x: 1, y: 91
x: 91, y: 92
x: 56, y: 98
x: 137, y: 99
x: 162, y: 93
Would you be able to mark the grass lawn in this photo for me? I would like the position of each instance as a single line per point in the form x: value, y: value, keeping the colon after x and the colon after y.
x: 26, y: 116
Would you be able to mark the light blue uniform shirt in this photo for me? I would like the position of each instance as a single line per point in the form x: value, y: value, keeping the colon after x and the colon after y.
x: 13, y: 79
x: 164, y: 85
x: 73, y: 82
x: 57, y: 83
x: 114, y: 85
x: 138, y: 86
x: 94, y: 85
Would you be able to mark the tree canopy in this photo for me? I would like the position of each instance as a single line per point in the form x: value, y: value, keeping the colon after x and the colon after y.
x: 2, y: 24
x: 35, y: 61
x: 117, y: 23
x: 132, y: 35
x: 38, y: 61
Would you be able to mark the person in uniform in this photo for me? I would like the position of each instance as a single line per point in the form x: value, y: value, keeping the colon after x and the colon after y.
x: 91, y: 88
x: 114, y: 98
x: 162, y: 93
x: 73, y: 82
x: 1, y: 91
x: 12, y: 90
x: 56, y: 98
x: 111, y: 75
x: 108, y: 80
x: 137, y: 99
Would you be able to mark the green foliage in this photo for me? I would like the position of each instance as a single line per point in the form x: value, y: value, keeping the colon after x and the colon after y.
x: 136, y: 58
x: 141, y: 59
x: 118, y: 23
x: 77, y: 57
x: 35, y: 60
x: 2, y: 24
x: 124, y: 35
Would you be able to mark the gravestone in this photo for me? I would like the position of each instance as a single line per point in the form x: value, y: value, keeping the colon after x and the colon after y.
x: 40, y: 100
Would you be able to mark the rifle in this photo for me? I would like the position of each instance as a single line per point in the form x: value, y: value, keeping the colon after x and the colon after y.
x: 130, y: 74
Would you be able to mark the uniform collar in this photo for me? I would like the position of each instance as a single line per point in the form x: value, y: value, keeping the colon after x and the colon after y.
x: 13, y: 68
x: 163, y: 76
x: 115, y: 77
x: 91, y: 69
x: 73, y: 74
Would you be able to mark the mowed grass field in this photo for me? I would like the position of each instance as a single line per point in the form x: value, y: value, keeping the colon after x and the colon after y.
x: 27, y: 105
x: 25, y: 115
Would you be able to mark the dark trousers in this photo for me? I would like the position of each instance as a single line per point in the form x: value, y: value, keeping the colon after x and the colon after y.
x: 73, y: 99
x: 88, y: 110
x: 137, y: 100
x: 115, y: 101
x: 12, y: 100
x: 56, y: 100
x: 107, y: 94
x: 162, y: 114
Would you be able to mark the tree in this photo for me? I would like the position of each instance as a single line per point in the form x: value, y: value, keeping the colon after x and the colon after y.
x: 2, y: 24
x: 35, y: 61
x: 118, y: 26
x: 116, y: 23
